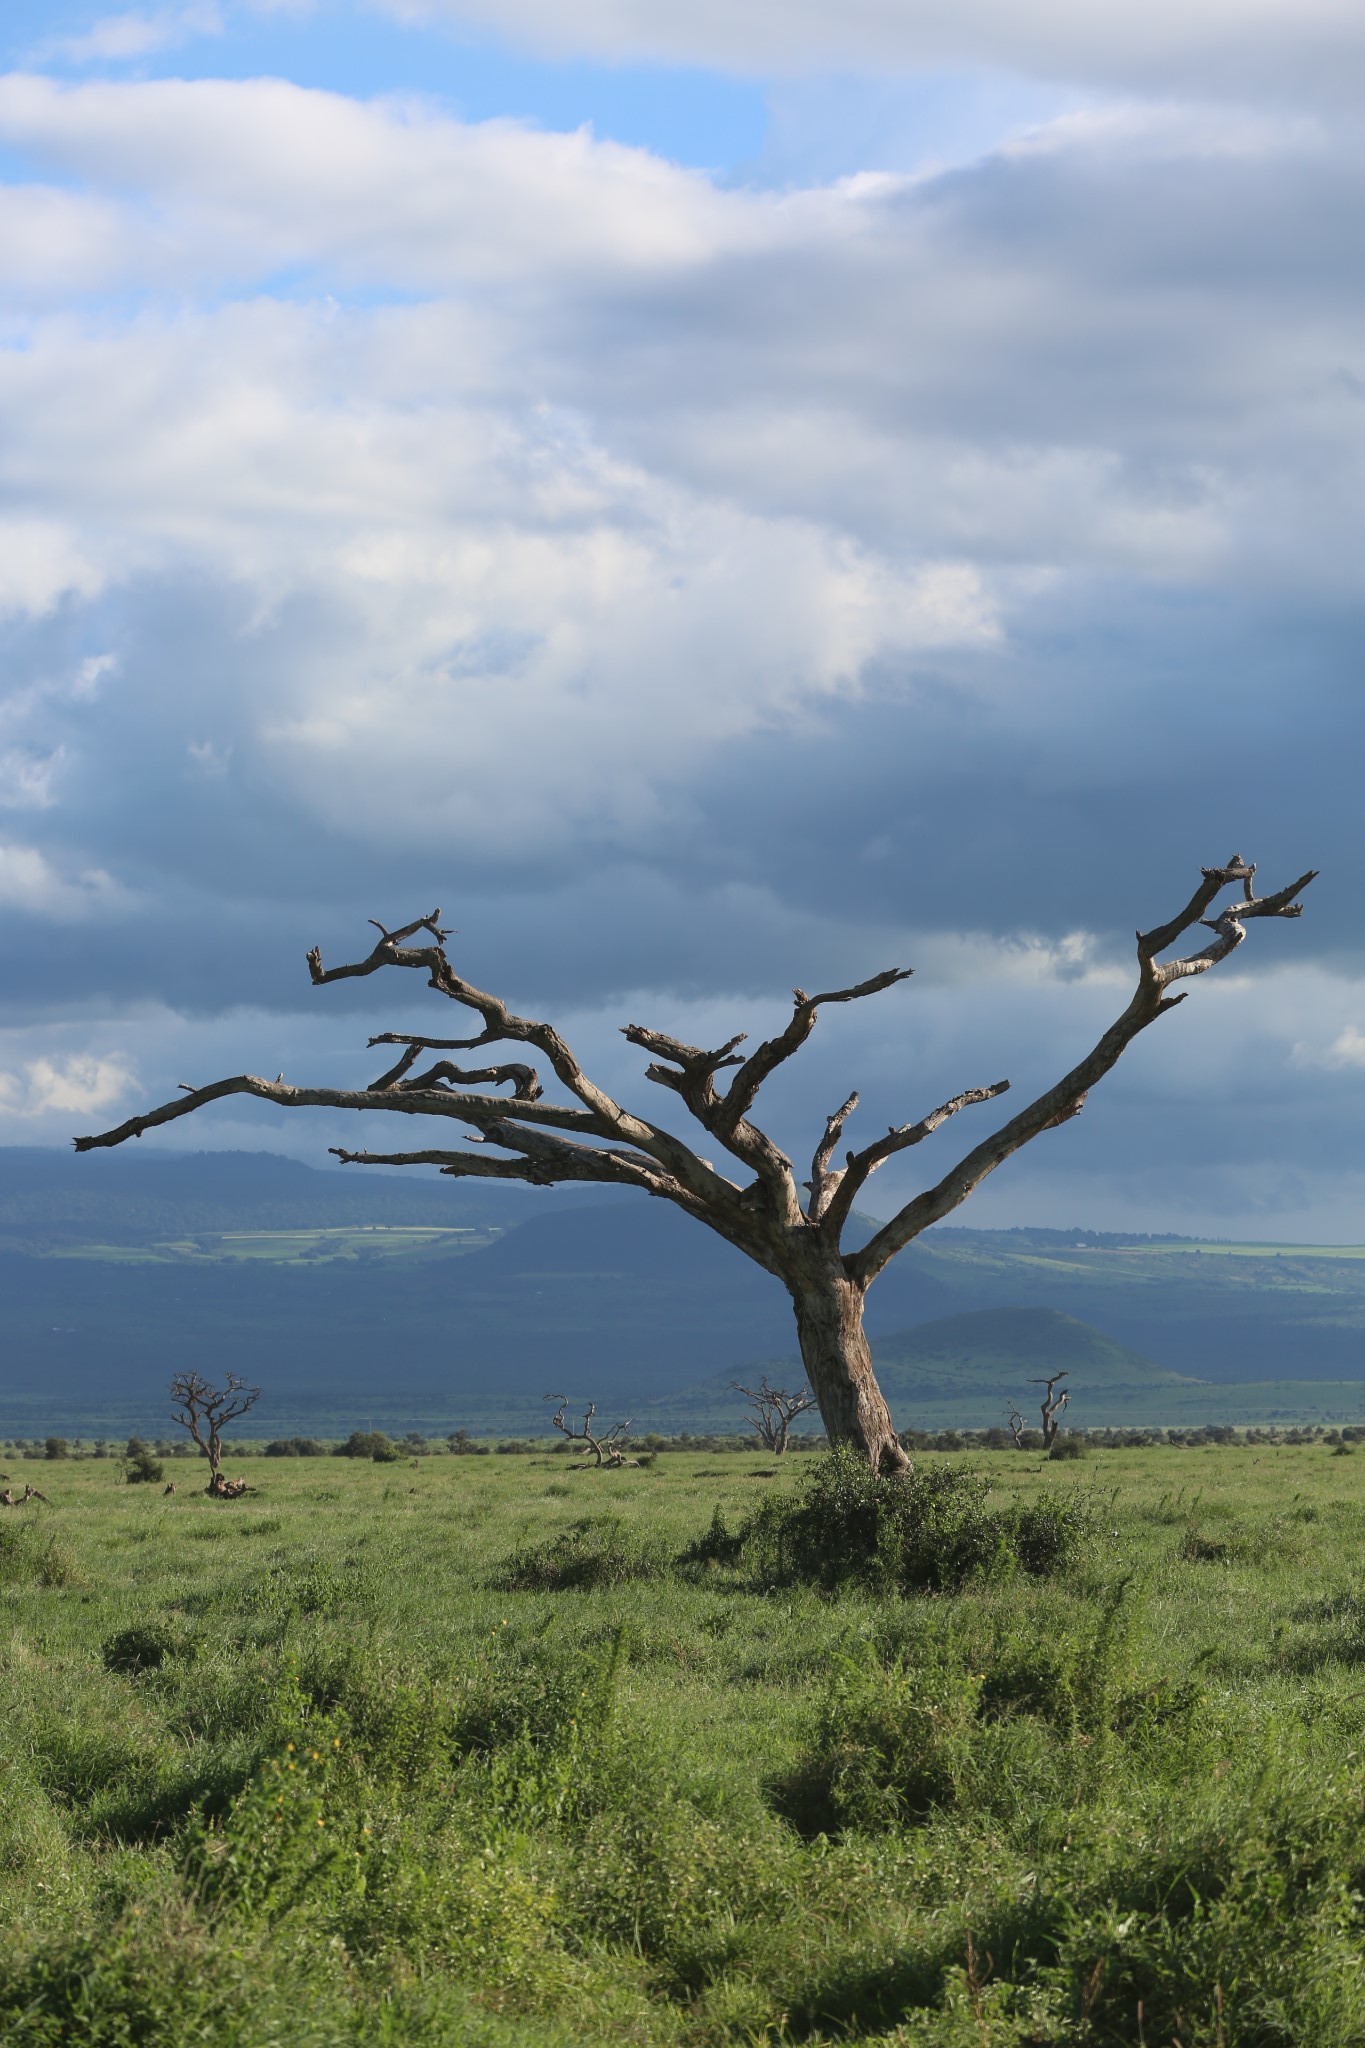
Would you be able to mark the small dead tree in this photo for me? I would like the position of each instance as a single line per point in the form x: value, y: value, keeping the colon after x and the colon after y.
x: 608, y: 1447
x: 1016, y: 1426
x: 775, y: 1410
x: 204, y: 1410
x: 1053, y: 1404
x: 792, y: 1228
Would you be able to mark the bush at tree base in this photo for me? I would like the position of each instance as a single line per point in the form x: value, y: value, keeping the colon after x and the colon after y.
x: 928, y: 1531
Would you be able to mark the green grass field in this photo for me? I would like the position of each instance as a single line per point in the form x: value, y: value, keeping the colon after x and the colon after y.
x: 317, y: 1767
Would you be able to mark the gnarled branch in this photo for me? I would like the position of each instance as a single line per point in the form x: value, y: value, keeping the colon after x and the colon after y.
x: 743, y: 1090
x: 476, y: 1110
x: 775, y: 1410
x: 607, y: 1446
x: 692, y: 1071
x: 1053, y: 1404
x: 898, y: 1139
x: 823, y: 1182
x: 525, y: 1081
x: 1056, y: 1105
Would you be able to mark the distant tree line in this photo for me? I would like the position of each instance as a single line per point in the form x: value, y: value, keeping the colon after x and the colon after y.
x: 140, y: 1455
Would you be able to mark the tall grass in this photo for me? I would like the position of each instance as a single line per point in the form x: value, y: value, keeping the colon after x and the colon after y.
x: 439, y: 1758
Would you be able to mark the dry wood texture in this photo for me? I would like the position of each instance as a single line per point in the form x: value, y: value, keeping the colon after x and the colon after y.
x: 791, y: 1228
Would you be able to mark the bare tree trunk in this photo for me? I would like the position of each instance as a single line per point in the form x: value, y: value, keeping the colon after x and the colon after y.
x: 838, y: 1362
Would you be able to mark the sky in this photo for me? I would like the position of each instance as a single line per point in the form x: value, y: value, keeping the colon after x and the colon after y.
x: 717, y: 497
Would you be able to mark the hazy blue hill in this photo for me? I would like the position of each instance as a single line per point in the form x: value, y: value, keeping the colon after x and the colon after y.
x: 964, y: 1368
x: 133, y: 1194
x: 1295, y: 1313
x: 618, y: 1299
x: 649, y: 1244
x: 995, y: 1351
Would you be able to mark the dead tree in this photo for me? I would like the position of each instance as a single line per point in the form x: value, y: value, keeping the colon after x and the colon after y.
x: 608, y: 1446
x: 1016, y: 1426
x: 204, y: 1410
x: 1053, y: 1404
x: 775, y: 1410
x: 791, y: 1228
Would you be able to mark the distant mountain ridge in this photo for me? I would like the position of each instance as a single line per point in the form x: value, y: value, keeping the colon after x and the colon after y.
x: 137, y: 1194
x: 622, y: 1300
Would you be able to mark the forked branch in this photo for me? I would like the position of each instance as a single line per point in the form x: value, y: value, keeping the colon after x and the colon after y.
x: 743, y: 1090
x: 1067, y: 1098
x: 607, y: 1446
x: 775, y: 1410
x: 205, y: 1410
x: 898, y: 1139
x: 1053, y: 1404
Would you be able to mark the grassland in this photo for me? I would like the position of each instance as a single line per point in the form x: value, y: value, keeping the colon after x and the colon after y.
x: 307, y: 1769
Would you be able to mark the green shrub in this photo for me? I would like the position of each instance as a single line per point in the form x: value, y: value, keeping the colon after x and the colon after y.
x: 1049, y: 1532
x: 945, y: 1723
x: 142, y: 1468
x: 369, y: 1443
x: 929, y: 1530
x: 143, y: 1647
x: 598, y: 1551
x: 889, y: 1747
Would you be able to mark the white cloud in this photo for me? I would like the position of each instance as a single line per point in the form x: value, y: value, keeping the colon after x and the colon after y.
x: 31, y: 885
x: 118, y: 38
x: 76, y: 1086
x: 90, y: 675
x: 1223, y: 46
x: 42, y: 561
x: 1345, y: 1050
x: 633, y: 466
x: 276, y: 174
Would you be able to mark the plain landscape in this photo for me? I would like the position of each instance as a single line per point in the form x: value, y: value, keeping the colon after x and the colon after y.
x: 715, y: 1747
x: 489, y: 1751
x: 408, y: 1303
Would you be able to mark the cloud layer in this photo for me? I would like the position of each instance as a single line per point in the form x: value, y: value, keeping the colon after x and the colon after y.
x: 1220, y: 46
x: 697, y: 588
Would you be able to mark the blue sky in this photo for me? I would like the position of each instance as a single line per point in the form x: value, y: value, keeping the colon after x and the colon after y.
x: 693, y: 115
x: 718, y: 496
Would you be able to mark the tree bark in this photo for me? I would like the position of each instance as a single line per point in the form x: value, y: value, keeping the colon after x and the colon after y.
x: 838, y: 1362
